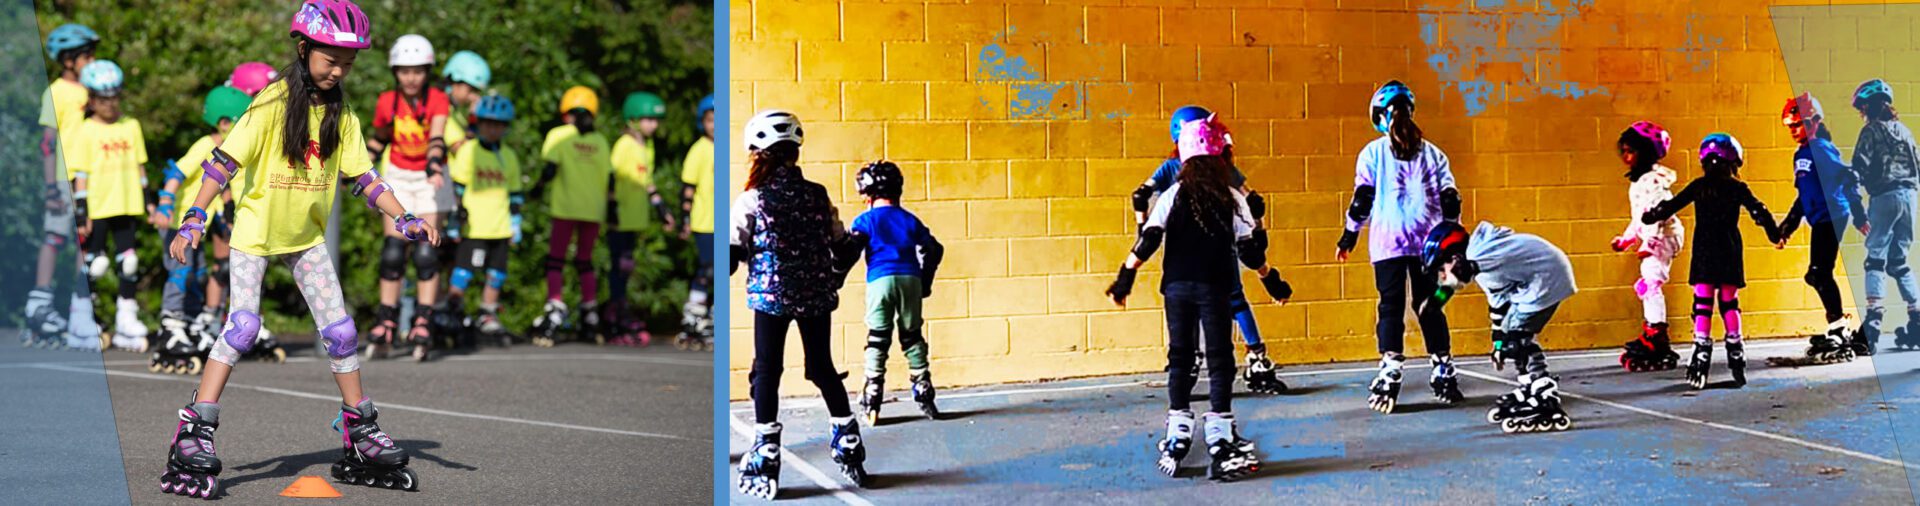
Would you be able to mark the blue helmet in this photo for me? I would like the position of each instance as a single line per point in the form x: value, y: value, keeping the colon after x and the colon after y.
x: 468, y: 67
x: 103, y: 78
x: 1723, y: 146
x: 1874, y: 90
x: 1185, y: 114
x: 706, y: 105
x: 494, y: 107
x: 69, y: 36
x: 1393, y: 92
x: 1444, y: 241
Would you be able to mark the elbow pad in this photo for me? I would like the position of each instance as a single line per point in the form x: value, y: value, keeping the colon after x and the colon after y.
x: 930, y: 256
x: 1148, y: 242
x: 1362, y: 207
x: 1450, y: 204
x: 1257, y: 205
x: 219, y: 168
x: 1142, y: 197
x: 1253, y: 249
x: 370, y: 186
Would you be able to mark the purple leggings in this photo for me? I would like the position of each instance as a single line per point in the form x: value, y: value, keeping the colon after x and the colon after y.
x: 582, y: 234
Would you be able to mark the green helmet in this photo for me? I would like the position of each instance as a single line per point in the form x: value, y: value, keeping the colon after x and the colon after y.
x: 224, y: 102
x: 641, y: 104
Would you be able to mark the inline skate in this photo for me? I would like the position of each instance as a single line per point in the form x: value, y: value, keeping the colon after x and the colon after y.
x: 380, y: 337
x: 548, y: 324
x: 1446, y: 387
x: 1534, y: 408
x: 1833, y: 346
x: 923, y: 394
x: 421, y: 333
x: 760, y: 467
x: 1384, y: 392
x: 491, y: 328
x: 129, y: 333
x: 1233, y: 457
x: 80, y: 322
x: 1701, y: 365
x: 849, y: 451
x: 44, y: 325
x: 1737, y: 361
x: 1178, y: 442
x: 1652, y: 351
x: 450, y: 323
x: 628, y: 329
x: 696, y: 324
x: 369, y: 455
x: 177, y: 352
x: 871, y: 397
x: 192, y: 468
x: 591, y: 327
x: 1908, y: 336
x: 1260, y: 374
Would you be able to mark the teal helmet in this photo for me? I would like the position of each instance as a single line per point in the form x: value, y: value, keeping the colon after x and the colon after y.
x: 468, y: 67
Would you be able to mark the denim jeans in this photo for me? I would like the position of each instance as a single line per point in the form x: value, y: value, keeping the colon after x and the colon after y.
x: 1890, y: 234
x: 1195, y: 312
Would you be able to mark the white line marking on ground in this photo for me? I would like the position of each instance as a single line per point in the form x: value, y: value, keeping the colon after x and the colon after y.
x: 744, y: 429
x: 1743, y: 430
x: 819, y: 404
x: 383, y: 405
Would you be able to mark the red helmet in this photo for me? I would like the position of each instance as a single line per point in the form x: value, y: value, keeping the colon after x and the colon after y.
x: 337, y: 23
x: 1802, y: 108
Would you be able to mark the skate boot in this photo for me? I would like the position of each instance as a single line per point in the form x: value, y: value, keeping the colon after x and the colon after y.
x: 547, y: 325
x: 1908, y: 336
x: 491, y: 328
x: 80, y: 322
x: 380, y: 337
x: 589, y: 327
x: 628, y: 329
x: 1178, y: 442
x: 43, y: 323
x: 1701, y: 364
x: 1833, y: 346
x: 449, y: 323
x: 1737, y: 361
x: 1233, y: 458
x: 1384, y: 392
x: 1862, y: 346
x: 1446, y: 387
x: 126, y: 322
x: 1651, y: 351
x: 849, y: 450
x: 760, y: 467
x: 1869, y: 330
x: 192, y: 468
x: 1505, y: 406
x: 1539, y: 411
x: 369, y: 455
x: 923, y: 394
x: 691, y: 320
x: 870, y: 398
x: 177, y: 351
x: 1260, y: 374
x: 421, y: 334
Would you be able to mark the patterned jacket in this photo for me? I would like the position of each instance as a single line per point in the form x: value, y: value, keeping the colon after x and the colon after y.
x: 788, y: 229
x: 1661, y: 239
x: 1884, y: 157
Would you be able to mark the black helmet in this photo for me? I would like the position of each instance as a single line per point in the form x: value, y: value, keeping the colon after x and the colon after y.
x: 881, y: 179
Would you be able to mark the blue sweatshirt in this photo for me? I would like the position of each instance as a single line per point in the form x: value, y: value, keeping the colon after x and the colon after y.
x: 1828, y: 190
x: 897, y: 243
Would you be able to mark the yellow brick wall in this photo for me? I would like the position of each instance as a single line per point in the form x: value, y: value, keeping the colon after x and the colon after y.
x: 1029, y: 191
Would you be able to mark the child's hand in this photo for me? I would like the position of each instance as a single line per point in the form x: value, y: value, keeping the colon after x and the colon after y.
x: 1122, y: 286
x: 1780, y: 245
x: 1622, y: 243
x: 1865, y: 228
x: 190, y: 235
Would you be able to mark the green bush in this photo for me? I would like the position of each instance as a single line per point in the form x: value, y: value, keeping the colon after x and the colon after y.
x: 174, y: 52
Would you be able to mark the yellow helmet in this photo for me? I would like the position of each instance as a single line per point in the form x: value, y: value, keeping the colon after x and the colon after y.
x: 580, y: 97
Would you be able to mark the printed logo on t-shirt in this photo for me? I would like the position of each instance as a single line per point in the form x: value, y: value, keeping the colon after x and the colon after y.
x: 1802, y: 165
x: 312, y: 175
x: 586, y: 149
x: 118, y: 147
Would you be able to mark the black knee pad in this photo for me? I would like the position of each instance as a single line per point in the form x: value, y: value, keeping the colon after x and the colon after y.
x: 911, y: 339
x: 1876, y: 264
x: 393, y: 259
x: 583, y: 266
x: 554, y: 264
x: 426, y: 262
x: 1818, y: 277
x: 1702, y: 306
x: 879, y: 339
x: 217, y: 271
x: 1898, y: 268
x: 1728, y: 306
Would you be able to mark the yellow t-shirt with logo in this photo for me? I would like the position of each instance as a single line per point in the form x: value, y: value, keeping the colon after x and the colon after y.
x: 62, y: 108
x: 698, y: 172
x: 632, y: 172
x: 283, y: 204
x: 111, y: 155
x: 580, y: 186
x: 490, y: 178
x: 190, y: 184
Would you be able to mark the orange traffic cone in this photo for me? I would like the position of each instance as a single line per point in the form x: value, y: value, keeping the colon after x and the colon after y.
x: 310, y: 486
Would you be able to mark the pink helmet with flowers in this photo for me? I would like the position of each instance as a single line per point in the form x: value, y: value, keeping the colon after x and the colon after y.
x: 1203, y: 137
x: 337, y: 23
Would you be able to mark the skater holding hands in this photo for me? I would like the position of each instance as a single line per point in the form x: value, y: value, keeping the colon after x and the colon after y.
x: 1642, y: 145
x: 1827, y: 195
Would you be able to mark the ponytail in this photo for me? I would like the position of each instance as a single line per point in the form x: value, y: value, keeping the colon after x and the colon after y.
x: 765, y: 164
x: 1823, y: 133
x: 581, y: 120
x: 1406, y: 136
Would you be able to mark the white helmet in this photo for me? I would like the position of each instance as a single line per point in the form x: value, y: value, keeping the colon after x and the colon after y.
x: 773, y: 126
x: 410, y: 50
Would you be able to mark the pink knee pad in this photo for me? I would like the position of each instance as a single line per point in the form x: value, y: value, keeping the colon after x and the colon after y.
x: 1646, y: 286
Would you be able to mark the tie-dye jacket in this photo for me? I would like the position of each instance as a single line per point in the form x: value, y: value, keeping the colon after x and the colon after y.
x: 1406, y: 201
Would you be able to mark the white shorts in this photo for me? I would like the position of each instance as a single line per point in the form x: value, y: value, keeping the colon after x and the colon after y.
x: 415, y: 194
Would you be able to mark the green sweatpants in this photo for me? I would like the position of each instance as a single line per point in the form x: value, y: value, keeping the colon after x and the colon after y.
x: 893, y: 302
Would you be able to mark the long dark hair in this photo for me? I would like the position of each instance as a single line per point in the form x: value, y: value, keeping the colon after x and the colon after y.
x: 1207, y: 191
x: 302, y: 95
x: 1880, y: 111
x: 581, y: 120
x: 1720, y: 167
x: 772, y: 161
x: 1406, y: 136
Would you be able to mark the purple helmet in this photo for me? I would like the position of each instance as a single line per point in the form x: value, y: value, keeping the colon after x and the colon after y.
x: 337, y: 23
x: 1723, y: 146
x: 1654, y: 134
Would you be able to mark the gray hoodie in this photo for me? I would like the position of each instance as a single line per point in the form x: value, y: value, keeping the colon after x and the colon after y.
x: 1519, y: 269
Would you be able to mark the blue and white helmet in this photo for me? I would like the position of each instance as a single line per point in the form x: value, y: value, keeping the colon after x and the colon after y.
x: 1874, y: 90
x: 494, y: 107
x: 1383, y: 100
x: 103, y: 78
x: 69, y: 36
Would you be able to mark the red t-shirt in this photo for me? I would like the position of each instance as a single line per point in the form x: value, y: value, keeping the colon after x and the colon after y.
x: 411, y: 127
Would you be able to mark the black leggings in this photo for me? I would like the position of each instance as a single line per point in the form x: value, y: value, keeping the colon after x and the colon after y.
x: 1196, y: 313
x: 620, y: 245
x: 1826, y: 248
x: 1391, y: 278
x: 120, y: 229
x: 769, y: 348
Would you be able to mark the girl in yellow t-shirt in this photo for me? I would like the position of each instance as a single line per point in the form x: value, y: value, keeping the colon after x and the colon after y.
x: 637, y: 203
x: 283, y: 159
x: 581, y: 173
x: 71, y: 47
x: 106, y: 154
x: 696, y: 213
x: 486, y: 176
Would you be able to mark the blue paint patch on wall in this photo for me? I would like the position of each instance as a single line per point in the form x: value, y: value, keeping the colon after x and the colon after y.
x: 1699, y: 45
x: 1029, y: 95
x: 1499, y: 34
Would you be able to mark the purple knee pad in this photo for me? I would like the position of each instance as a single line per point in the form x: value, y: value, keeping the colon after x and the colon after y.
x: 342, y: 338
x: 242, y: 327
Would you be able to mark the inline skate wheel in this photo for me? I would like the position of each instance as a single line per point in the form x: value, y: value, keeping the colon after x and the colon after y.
x: 153, y: 367
x: 279, y: 355
x: 1383, y: 404
x: 193, y: 366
